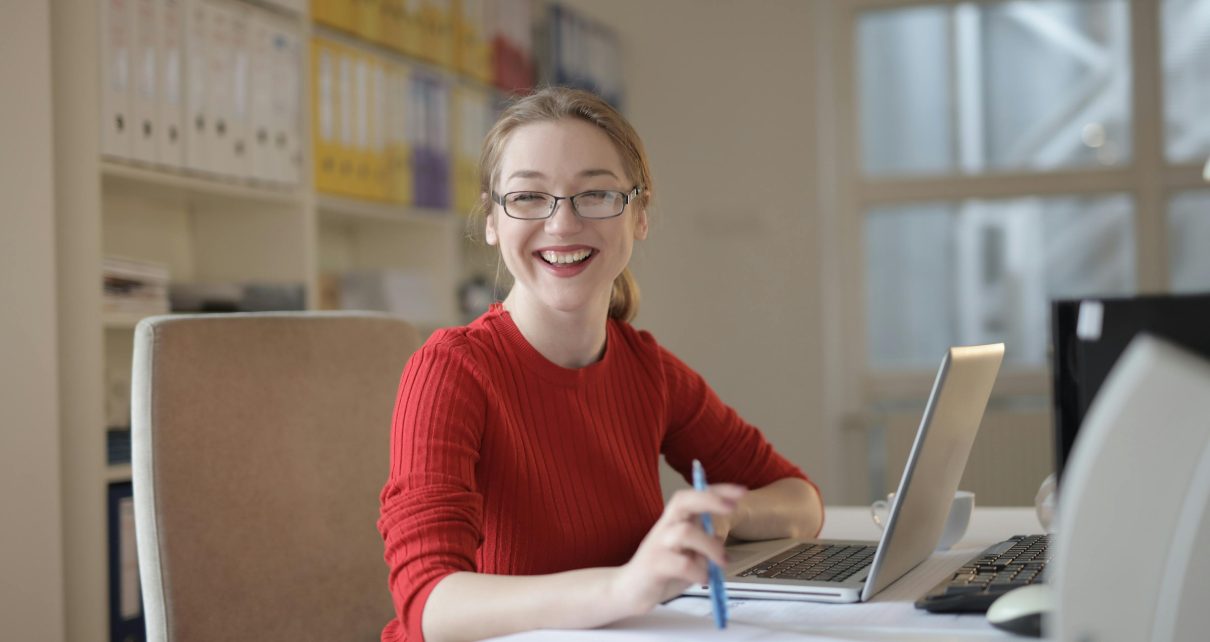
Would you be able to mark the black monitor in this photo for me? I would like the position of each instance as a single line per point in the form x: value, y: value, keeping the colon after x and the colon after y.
x: 1085, y: 349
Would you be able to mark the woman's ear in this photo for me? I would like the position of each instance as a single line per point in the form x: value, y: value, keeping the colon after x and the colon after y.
x: 640, y: 224
x: 489, y: 228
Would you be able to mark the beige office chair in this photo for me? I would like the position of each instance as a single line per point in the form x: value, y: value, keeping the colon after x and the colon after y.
x: 260, y: 446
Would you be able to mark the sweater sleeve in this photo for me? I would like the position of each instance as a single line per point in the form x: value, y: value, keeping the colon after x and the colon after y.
x: 431, y: 508
x: 701, y: 426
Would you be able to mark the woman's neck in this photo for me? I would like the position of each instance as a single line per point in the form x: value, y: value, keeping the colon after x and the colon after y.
x: 570, y: 339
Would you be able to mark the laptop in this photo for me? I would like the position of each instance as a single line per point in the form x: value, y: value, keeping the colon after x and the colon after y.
x: 846, y: 571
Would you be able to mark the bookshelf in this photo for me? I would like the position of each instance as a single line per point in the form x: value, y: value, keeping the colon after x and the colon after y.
x: 206, y: 226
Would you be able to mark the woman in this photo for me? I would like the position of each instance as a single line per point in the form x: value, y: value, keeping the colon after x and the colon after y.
x: 524, y: 487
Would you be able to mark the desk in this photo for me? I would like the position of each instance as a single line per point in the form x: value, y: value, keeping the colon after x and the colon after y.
x: 889, y: 616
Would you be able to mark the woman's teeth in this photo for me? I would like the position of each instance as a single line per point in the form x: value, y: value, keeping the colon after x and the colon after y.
x: 563, y: 258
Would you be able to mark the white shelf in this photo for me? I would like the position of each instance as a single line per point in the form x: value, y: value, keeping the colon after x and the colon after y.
x: 124, y: 320
x: 117, y: 473
x: 185, y: 185
x: 338, y: 207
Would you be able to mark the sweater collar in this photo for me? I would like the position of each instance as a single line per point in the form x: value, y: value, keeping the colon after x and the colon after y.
x: 502, y: 322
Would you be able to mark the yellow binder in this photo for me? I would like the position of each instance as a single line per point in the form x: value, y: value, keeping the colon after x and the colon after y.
x: 325, y: 115
x: 398, y: 152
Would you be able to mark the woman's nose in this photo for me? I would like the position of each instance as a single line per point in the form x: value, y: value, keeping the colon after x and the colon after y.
x: 564, y: 220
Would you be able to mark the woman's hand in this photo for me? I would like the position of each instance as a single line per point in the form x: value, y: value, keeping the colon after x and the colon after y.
x: 673, y: 554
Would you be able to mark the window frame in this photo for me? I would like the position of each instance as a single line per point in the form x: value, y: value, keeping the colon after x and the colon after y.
x: 1148, y: 179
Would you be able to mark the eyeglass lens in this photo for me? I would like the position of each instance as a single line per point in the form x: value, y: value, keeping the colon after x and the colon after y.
x: 597, y: 204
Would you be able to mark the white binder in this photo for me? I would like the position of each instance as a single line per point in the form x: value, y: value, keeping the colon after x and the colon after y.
x: 117, y: 41
x: 259, y: 135
x: 170, y: 112
x: 238, y: 163
x: 286, y: 113
x: 199, y: 123
x: 144, y: 101
x: 220, y: 63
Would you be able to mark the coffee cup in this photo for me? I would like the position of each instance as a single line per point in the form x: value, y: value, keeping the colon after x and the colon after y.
x: 955, y: 523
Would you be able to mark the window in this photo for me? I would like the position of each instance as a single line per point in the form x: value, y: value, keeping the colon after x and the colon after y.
x: 1003, y: 86
x: 980, y: 271
x: 1000, y: 163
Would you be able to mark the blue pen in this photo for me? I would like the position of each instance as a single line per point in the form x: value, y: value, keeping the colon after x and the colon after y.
x: 718, y: 592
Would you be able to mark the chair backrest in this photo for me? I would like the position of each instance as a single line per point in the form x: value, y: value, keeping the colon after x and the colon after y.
x: 260, y: 446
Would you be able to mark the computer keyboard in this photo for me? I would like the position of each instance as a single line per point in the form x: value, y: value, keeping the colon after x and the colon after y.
x: 816, y: 562
x: 1017, y: 561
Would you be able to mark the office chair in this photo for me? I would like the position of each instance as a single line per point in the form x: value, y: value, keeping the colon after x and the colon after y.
x: 260, y: 445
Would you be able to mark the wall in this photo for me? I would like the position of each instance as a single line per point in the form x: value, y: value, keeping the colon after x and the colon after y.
x: 31, y: 594
x: 723, y: 95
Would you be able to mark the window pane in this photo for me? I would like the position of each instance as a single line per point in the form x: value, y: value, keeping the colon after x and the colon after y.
x: 1186, y: 38
x: 943, y: 274
x: 1000, y: 86
x: 1189, y: 241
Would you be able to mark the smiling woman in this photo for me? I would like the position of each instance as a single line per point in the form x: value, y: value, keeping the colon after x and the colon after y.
x: 524, y: 488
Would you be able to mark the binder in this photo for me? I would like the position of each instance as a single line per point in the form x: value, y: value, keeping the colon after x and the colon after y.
x: 362, y: 181
x: 126, y: 622
x: 325, y: 109
x: 390, y: 26
x: 220, y: 83
x: 398, y: 151
x: 472, y: 54
x: 117, y: 41
x: 199, y: 123
x: 431, y: 160
x: 144, y: 99
x: 411, y: 28
x: 170, y: 109
x: 472, y: 113
x: 288, y: 139
x: 346, y: 180
x: 368, y: 19
x: 238, y: 163
x: 377, y: 131
x: 262, y: 155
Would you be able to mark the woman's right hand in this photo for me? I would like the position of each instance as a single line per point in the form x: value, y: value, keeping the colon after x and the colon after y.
x: 673, y: 554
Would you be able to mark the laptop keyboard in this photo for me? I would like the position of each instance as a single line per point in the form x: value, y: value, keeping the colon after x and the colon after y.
x: 1017, y: 561
x: 815, y: 562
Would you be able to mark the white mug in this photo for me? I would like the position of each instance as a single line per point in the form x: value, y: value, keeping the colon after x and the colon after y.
x: 955, y: 524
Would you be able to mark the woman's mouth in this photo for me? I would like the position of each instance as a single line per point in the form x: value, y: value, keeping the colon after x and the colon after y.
x: 565, y: 258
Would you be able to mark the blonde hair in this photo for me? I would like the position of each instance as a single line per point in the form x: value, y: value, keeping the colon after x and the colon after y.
x: 555, y: 103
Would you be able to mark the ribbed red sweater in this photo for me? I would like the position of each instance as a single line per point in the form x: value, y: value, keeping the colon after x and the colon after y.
x: 503, y: 462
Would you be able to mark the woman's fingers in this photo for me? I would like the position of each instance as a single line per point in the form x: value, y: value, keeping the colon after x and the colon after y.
x: 690, y: 538
x: 719, y: 499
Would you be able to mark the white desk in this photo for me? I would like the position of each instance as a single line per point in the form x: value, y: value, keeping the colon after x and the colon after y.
x: 889, y: 616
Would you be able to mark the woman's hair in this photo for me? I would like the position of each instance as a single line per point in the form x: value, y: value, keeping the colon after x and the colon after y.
x: 556, y: 103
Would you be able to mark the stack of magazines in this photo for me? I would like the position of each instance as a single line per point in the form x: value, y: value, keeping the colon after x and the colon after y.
x: 134, y: 287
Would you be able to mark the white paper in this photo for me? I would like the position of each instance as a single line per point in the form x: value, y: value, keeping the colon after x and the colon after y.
x: 893, y: 609
x: 666, y: 624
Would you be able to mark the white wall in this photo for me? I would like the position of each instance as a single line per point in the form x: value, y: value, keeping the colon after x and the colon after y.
x: 31, y: 593
x: 723, y: 95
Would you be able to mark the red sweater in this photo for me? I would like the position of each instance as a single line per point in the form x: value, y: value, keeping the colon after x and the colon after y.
x: 505, y: 463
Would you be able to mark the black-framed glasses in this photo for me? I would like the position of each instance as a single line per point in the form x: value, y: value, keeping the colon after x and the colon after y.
x: 594, y: 204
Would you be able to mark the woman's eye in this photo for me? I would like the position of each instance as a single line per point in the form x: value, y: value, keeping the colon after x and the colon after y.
x: 526, y: 197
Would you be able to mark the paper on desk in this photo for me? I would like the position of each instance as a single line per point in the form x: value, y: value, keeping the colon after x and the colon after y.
x: 892, y: 609
x: 664, y: 624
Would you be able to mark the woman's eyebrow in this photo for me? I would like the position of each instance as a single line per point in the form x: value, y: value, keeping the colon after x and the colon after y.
x: 588, y: 173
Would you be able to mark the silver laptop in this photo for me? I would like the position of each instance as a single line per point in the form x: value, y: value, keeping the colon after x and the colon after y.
x: 853, y: 571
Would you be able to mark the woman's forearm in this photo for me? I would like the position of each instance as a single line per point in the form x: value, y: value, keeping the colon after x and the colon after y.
x: 473, y: 606
x: 786, y: 508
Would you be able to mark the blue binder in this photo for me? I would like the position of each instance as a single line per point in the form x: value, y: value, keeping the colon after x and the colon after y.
x: 125, y: 596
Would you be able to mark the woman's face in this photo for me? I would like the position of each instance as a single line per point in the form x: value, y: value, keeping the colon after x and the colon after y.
x: 564, y: 262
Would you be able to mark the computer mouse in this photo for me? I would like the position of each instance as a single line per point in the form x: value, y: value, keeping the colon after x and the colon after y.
x: 1021, y: 610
